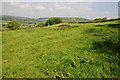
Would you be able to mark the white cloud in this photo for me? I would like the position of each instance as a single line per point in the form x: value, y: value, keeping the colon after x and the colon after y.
x: 84, y: 7
x: 63, y: 7
x: 14, y: 3
x: 106, y: 13
x: 89, y: 9
x: 82, y: 0
x: 40, y: 7
x: 25, y: 6
x: 60, y: 0
x: 21, y: 5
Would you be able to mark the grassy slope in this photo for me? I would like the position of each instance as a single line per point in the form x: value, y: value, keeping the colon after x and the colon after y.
x: 1, y: 54
x: 47, y: 52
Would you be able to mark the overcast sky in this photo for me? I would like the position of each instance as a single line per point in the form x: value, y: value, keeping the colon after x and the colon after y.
x: 88, y: 10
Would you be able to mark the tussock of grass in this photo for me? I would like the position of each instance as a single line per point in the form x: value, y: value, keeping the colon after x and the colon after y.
x: 65, y: 26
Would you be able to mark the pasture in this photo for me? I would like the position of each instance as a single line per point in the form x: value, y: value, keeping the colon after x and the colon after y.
x: 65, y: 50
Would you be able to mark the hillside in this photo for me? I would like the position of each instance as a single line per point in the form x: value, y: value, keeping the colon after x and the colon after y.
x: 62, y: 51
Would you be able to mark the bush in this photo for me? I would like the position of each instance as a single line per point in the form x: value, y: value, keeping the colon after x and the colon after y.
x: 4, y: 25
x: 100, y: 19
x: 52, y: 21
x: 42, y: 24
x: 64, y: 25
x: 13, y: 25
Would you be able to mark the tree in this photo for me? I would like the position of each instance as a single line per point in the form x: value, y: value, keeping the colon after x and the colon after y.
x: 97, y: 19
x: 54, y: 20
x: 13, y: 25
x: 105, y: 18
x: 100, y: 19
x: 42, y: 24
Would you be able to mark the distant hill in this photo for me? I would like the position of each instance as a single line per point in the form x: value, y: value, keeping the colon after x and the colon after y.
x: 66, y: 19
x: 24, y: 20
x: 6, y: 17
x: 27, y: 20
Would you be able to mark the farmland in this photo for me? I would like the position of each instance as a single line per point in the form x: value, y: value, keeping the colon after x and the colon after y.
x: 65, y: 50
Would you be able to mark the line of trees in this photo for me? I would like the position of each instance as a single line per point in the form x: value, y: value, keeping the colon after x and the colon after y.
x: 100, y: 19
x: 13, y: 25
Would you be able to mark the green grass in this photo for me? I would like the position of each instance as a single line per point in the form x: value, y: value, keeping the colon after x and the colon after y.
x: 55, y: 52
x: 0, y: 54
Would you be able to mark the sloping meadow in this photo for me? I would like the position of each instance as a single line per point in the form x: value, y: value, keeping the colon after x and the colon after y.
x: 63, y: 50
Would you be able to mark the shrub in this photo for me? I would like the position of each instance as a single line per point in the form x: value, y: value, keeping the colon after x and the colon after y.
x: 4, y: 25
x: 52, y: 21
x: 100, y: 19
x: 42, y: 24
x: 13, y: 25
x: 75, y: 26
x: 64, y: 25
x: 105, y: 18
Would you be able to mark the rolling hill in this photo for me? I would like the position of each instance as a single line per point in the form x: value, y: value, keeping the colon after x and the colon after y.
x: 43, y: 19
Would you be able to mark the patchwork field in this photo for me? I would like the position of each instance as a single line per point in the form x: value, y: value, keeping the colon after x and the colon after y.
x: 63, y: 50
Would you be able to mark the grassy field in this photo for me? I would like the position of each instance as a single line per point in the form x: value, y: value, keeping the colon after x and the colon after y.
x: 63, y: 50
